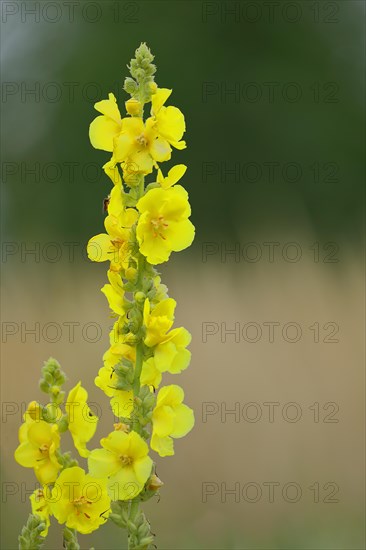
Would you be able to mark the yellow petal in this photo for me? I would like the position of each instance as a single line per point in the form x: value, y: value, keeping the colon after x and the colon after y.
x: 180, y: 235
x: 115, y: 299
x: 102, y: 132
x: 116, y: 206
x: 109, y: 108
x: 183, y: 422
x: 103, y: 463
x: 174, y: 175
x: 171, y: 123
x: 100, y: 248
x: 112, y: 171
x: 171, y: 395
x: 162, y: 445
x: 158, y: 99
x: 122, y: 403
x: 160, y: 149
x: 163, y: 420
x: 178, y: 144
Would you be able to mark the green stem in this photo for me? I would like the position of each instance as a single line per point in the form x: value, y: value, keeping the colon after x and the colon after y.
x: 139, y: 345
x: 139, y: 533
x: 135, y: 505
x: 141, y: 186
x: 138, y: 368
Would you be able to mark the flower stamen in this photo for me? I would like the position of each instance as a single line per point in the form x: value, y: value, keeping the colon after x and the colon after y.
x: 126, y: 460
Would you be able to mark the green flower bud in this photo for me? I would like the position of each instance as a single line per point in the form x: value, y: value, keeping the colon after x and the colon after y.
x: 30, y: 537
x: 66, y: 460
x: 131, y: 527
x: 139, y: 297
x: 51, y: 413
x: 70, y: 539
x: 121, y: 369
x: 44, y: 386
x: 63, y: 424
x: 48, y: 377
x: 130, y: 86
x: 60, y: 398
x: 146, y: 542
x: 142, y: 69
x: 138, y: 401
x: 131, y: 273
x: 52, y: 379
x: 122, y: 385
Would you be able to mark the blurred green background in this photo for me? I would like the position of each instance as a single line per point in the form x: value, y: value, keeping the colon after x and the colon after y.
x: 273, y: 95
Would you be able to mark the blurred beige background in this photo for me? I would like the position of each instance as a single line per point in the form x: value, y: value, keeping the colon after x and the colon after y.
x: 224, y: 449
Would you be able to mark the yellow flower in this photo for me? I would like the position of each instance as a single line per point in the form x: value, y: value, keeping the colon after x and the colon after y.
x: 150, y: 374
x: 105, y: 128
x: 40, y: 507
x: 114, y: 292
x: 163, y: 225
x: 82, y: 422
x: 174, y: 175
x: 121, y: 400
x: 39, y: 442
x: 107, y: 379
x: 133, y: 142
x: 118, y: 335
x: 140, y: 145
x: 80, y: 500
x: 116, y: 353
x: 158, y: 320
x: 169, y: 121
x: 122, y: 403
x: 111, y: 169
x: 171, y: 418
x: 33, y: 412
x: 114, y: 245
x: 171, y: 354
x: 124, y: 461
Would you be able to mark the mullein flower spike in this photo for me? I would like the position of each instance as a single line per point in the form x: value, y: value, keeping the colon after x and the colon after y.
x: 146, y: 221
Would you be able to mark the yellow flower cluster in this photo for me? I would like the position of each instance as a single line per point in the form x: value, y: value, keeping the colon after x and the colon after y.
x: 145, y: 222
x: 141, y: 233
x: 39, y: 449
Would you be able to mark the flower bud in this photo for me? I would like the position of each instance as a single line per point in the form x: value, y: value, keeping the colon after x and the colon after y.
x: 51, y: 413
x: 154, y: 483
x: 34, y: 410
x: 121, y: 427
x: 139, y: 297
x: 63, y: 424
x: 139, y: 74
x: 131, y: 273
x: 153, y: 87
x: 133, y: 106
x: 43, y: 386
x: 138, y: 401
x: 130, y: 86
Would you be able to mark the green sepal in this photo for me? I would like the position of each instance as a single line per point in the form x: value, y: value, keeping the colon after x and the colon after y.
x: 30, y: 537
x: 70, y: 539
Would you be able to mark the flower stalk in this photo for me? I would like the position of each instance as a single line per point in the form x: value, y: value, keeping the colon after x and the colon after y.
x: 147, y: 219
